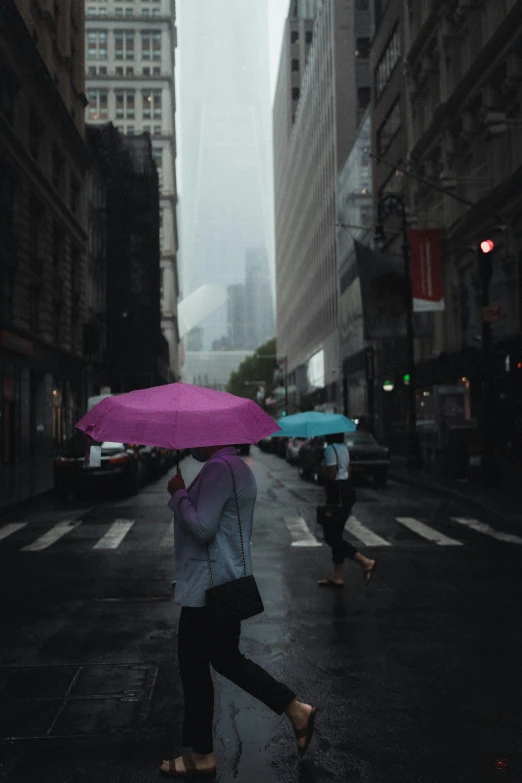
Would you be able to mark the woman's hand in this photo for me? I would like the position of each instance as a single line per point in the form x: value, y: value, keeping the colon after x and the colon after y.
x: 176, y: 483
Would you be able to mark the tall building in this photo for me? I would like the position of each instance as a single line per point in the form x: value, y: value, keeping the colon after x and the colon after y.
x: 43, y: 163
x: 311, y: 143
x: 237, y: 317
x: 260, y: 323
x: 136, y: 349
x: 130, y: 55
x: 225, y: 142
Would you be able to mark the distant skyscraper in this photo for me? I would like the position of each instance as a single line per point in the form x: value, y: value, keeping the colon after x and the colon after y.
x: 225, y: 142
x: 260, y: 323
x: 236, y: 316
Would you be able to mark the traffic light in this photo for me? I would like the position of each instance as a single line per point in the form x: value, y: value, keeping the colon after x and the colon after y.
x: 487, y: 245
x: 283, y: 413
x: 406, y: 379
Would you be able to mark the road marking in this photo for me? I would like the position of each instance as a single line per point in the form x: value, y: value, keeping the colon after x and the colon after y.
x: 8, y: 530
x: 481, y: 527
x: 168, y: 540
x: 366, y: 536
x: 300, y: 532
x: 52, y: 535
x: 427, y: 532
x: 115, y: 534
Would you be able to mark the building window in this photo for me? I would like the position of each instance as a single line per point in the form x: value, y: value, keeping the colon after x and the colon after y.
x: 156, y: 71
x: 156, y: 12
x: 118, y: 11
x: 362, y: 48
x: 309, y: 36
x: 364, y: 95
x: 145, y: 11
x: 130, y: 130
x: 119, y: 70
x: 91, y: 70
x: 295, y: 93
x: 129, y: 12
x: 157, y: 130
x: 146, y: 71
x: 152, y: 104
x: 294, y: 37
x: 92, y: 12
x: 151, y: 45
x: 35, y: 133
x: 295, y: 65
x: 124, y: 44
x: 389, y: 59
x: 58, y: 167
x: 97, y: 45
x: 102, y: 70
x: 157, y: 154
x: 129, y: 71
x: 389, y: 128
x: 97, y: 109
x: 125, y: 102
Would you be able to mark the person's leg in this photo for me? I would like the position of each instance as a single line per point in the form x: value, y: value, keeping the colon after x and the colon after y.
x: 341, y: 549
x: 198, y: 691
x: 228, y: 661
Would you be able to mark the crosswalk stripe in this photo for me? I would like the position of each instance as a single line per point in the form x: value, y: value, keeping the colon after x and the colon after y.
x: 300, y: 532
x: 11, y: 528
x: 427, y: 532
x: 364, y: 534
x: 481, y: 527
x: 115, y: 534
x: 52, y: 535
x: 168, y: 539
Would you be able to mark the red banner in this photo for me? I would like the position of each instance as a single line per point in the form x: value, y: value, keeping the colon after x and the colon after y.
x: 426, y: 269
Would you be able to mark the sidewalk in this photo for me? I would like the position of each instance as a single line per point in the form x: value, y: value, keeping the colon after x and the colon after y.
x: 504, y: 503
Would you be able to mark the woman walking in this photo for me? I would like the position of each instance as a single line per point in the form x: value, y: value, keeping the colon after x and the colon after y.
x: 340, y: 493
x: 210, y: 513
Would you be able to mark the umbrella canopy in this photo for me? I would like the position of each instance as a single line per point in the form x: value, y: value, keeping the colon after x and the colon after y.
x: 177, y: 416
x: 313, y: 424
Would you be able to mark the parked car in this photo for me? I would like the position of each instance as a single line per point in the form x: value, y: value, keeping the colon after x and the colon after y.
x: 265, y: 444
x: 123, y: 466
x: 293, y: 446
x: 367, y: 458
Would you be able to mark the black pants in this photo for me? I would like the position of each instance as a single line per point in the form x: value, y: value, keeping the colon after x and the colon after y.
x: 202, y: 644
x: 339, y: 491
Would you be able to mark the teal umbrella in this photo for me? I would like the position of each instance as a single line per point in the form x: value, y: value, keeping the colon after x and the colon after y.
x: 313, y: 424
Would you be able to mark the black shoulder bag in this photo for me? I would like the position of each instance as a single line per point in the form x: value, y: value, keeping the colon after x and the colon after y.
x: 237, y: 600
x: 337, y: 510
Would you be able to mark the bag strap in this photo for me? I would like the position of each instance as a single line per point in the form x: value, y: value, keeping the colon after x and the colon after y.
x: 238, y: 519
x: 338, y: 482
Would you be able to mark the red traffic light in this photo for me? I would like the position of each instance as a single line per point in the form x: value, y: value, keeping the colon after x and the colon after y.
x: 487, y: 245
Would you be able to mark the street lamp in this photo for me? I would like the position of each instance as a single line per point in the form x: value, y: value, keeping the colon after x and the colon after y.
x: 487, y: 463
x: 389, y: 204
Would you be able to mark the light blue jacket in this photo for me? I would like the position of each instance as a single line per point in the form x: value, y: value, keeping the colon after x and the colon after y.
x: 206, y: 513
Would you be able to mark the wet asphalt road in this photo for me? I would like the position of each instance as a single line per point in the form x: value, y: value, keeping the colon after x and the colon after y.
x: 418, y: 676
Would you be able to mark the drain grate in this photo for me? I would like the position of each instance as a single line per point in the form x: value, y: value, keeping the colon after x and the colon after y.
x: 74, y: 701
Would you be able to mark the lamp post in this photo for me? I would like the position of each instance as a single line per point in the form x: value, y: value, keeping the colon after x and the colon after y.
x: 487, y: 464
x: 389, y: 204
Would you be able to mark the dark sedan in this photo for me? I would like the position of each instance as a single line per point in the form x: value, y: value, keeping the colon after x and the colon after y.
x: 367, y: 458
x: 122, y: 466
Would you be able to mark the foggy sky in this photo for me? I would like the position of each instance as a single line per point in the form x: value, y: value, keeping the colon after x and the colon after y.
x: 226, y: 60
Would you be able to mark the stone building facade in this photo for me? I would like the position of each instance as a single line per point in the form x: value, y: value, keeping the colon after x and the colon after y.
x: 43, y: 163
x: 129, y: 61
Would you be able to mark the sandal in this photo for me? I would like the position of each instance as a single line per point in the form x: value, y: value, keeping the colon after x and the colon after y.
x: 307, y: 731
x: 329, y: 583
x: 191, y: 771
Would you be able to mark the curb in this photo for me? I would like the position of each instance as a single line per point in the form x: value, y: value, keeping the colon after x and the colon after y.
x: 452, y: 494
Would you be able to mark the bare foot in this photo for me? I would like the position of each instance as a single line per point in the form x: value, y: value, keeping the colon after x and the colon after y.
x: 299, y: 715
x: 202, y: 762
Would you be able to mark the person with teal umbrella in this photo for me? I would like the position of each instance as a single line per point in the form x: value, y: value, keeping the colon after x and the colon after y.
x: 340, y: 498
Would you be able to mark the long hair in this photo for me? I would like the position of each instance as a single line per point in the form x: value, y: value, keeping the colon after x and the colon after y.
x: 337, y: 437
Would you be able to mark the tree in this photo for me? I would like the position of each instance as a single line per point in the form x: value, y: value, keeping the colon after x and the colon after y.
x: 258, y: 367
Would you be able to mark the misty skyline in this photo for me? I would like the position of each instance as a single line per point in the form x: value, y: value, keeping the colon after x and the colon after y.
x: 225, y: 144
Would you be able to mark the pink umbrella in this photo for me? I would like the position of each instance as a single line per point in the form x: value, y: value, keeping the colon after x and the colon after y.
x: 177, y: 416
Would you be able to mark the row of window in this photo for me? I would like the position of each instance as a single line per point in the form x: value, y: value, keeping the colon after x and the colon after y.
x: 294, y: 37
x: 93, y: 70
x: 124, y: 44
x: 125, y: 104
x: 103, y: 11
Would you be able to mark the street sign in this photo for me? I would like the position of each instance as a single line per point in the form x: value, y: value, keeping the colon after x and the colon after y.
x: 491, y: 313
